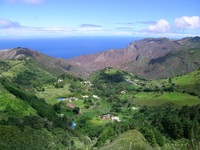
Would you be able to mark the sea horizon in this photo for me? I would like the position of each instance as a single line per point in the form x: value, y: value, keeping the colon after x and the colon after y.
x: 70, y: 47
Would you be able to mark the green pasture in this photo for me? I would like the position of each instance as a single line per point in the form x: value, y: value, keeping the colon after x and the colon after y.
x: 78, y: 103
x: 151, y: 98
x: 187, y: 79
x: 191, y: 78
x: 51, y: 94
x: 98, y: 121
x: 111, y: 71
x: 15, y: 68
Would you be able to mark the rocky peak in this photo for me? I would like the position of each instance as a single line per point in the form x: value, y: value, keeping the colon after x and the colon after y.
x: 17, y: 53
x: 26, y: 52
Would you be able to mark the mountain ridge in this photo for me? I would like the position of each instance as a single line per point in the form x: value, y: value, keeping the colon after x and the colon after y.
x: 136, y: 57
x: 148, y: 57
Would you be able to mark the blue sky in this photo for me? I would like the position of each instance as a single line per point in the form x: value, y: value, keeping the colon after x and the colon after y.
x: 60, y: 18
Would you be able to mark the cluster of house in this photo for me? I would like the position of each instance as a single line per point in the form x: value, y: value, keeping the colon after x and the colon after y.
x: 86, y: 83
x: 94, y: 96
x: 70, y: 99
x: 112, y: 117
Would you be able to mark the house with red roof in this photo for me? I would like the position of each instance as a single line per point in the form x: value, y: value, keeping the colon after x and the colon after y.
x: 70, y: 105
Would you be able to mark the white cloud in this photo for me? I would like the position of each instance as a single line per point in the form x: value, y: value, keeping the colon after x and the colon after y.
x: 89, y: 25
x: 57, y: 32
x: 187, y: 22
x: 4, y: 23
x: 161, y: 26
x: 26, y: 1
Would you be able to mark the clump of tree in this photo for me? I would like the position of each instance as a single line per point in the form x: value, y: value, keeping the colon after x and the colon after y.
x: 169, y: 121
x: 112, y: 77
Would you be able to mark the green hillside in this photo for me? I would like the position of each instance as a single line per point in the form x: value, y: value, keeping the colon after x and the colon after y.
x: 11, y: 106
x: 189, y: 83
x: 14, y: 138
x: 129, y: 140
x: 25, y: 73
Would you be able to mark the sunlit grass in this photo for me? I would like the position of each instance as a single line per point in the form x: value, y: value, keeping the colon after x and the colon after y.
x: 187, y: 79
x: 51, y: 94
x: 151, y: 98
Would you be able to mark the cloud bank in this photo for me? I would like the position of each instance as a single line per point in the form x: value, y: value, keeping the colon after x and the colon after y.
x: 184, y: 25
x: 89, y: 25
x: 26, y: 1
x: 181, y: 27
x: 4, y: 23
x: 187, y: 22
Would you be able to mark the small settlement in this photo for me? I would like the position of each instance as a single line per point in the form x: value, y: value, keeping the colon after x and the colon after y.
x: 112, y: 117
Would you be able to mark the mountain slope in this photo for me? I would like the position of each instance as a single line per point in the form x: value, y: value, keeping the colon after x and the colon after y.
x: 172, y: 64
x: 139, y: 55
x: 11, y: 106
x: 51, y: 65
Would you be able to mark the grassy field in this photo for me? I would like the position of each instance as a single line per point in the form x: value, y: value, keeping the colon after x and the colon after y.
x: 111, y: 71
x: 191, y: 78
x: 78, y: 103
x: 51, y: 94
x: 15, y: 68
x: 98, y: 122
x: 151, y: 98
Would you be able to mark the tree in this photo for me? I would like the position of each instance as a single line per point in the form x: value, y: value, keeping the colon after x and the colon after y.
x: 57, y: 108
x: 76, y: 110
x: 158, y: 137
x: 107, y: 133
x: 148, y: 134
x: 170, y: 80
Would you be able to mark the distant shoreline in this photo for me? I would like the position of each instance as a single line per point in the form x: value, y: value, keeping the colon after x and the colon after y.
x: 69, y: 47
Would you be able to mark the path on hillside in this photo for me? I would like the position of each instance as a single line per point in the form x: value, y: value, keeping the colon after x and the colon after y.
x: 10, y: 67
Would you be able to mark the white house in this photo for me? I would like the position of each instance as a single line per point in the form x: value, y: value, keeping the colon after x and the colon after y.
x: 122, y: 92
x: 59, y: 80
x: 134, y: 108
x: 114, y: 118
x: 95, y: 96
x: 85, y: 96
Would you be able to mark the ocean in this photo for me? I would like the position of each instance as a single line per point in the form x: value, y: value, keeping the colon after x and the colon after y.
x: 69, y: 47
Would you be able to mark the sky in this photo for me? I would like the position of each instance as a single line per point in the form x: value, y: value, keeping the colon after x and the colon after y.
x: 61, y: 18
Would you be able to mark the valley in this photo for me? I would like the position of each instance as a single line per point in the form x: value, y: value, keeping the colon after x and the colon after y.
x: 150, y: 100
